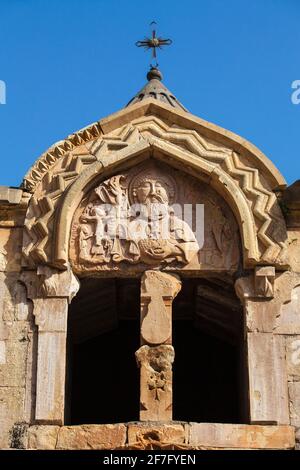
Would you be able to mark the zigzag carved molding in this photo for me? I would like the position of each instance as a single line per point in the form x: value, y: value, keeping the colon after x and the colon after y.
x: 62, y: 171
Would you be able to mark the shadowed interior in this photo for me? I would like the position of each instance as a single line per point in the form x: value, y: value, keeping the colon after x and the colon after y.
x: 103, y: 335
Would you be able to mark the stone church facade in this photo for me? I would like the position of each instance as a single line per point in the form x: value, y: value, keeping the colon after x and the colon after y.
x: 150, y: 289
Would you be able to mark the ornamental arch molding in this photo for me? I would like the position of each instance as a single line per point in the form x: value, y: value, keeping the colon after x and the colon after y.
x: 144, y: 151
x: 61, y: 177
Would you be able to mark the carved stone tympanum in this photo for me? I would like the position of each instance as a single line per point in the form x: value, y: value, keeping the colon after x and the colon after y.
x: 153, y: 216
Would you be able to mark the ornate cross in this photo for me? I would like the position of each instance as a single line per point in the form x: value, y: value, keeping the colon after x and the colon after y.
x: 154, y: 42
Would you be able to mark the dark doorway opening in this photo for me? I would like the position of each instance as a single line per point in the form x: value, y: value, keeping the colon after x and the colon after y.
x: 208, y: 371
x: 103, y: 335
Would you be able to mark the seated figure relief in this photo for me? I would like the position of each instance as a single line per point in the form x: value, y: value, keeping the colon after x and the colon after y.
x: 136, y: 218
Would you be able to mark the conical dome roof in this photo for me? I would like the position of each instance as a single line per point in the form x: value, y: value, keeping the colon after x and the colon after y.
x: 157, y: 90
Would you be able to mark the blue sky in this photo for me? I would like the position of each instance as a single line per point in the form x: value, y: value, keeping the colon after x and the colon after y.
x: 67, y: 63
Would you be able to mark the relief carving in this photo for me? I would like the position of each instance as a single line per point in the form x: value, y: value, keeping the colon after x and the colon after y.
x: 158, y: 290
x: 156, y: 382
x: 134, y: 222
x: 138, y: 219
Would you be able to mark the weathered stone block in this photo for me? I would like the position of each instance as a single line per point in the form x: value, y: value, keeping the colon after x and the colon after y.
x: 12, y: 372
x: 13, y: 302
x: 293, y: 357
x: 294, y: 396
x: 163, y: 433
x: 288, y: 322
x: 10, y: 249
x: 241, y: 436
x: 264, y: 281
x: 10, y: 195
x: 157, y: 293
x: 294, y: 250
x: 106, y: 436
x: 51, y: 377
x: 42, y: 437
x: 267, y: 379
x: 156, y: 382
x: 11, y: 412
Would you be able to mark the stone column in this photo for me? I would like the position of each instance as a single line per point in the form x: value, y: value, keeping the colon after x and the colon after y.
x: 267, y: 375
x: 51, y: 291
x: 156, y: 354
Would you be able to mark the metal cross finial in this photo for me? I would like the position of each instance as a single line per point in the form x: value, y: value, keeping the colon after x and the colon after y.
x: 154, y: 42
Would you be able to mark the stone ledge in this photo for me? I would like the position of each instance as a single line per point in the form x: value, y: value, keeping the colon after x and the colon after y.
x: 145, y: 435
x: 241, y: 436
x: 164, y: 433
x: 10, y: 195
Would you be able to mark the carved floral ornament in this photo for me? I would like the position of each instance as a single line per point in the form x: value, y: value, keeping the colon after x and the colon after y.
x: 66, y: 182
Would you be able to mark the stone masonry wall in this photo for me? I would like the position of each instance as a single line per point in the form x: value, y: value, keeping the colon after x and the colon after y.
x: 17, y: 333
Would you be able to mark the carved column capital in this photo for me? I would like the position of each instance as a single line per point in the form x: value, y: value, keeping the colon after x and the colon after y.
x: 264, y: 279
x: 55, y: 283
x: 257, y: 285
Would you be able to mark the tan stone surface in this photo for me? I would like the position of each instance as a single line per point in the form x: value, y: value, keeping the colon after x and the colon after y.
x: 10, y: 249
x: 294, y: 397
x: 51, y: 314
x: 164, y: 433
x: 293, y: 357
x: 11, y: 412
x: 13, y: 369
x: 294, y: 249
x: 267, y: 379
x: 51, y: 373
x: 157, y: 293
x: 297, y: 434
x: 42, y: 437
x: 13, y: 302
x: 241, y: 436
x: 156, y: 382
x: 10, y: 195
x: 278, y: 315
x: 264, y: 281
x: 56, y: 283
x: 288, y: 322
x: 106, y: 436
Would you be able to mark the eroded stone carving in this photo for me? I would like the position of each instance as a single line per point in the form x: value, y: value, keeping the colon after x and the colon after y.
x: 62, y: 166
x: 54, y: 283
x: 150, y: 216
x: 156, y: 382
x: 264, y: 281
